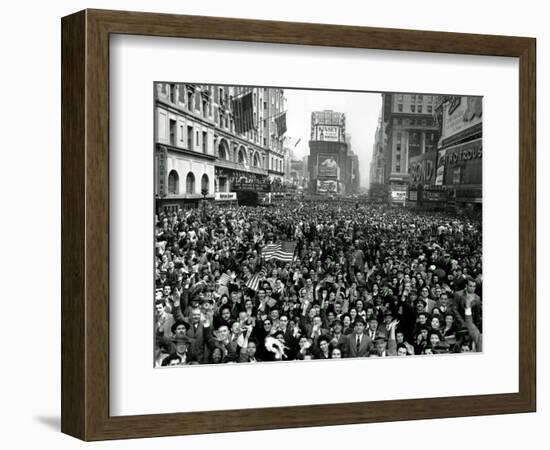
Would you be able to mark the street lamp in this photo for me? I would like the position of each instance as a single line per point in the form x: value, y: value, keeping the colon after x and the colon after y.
x: 204, y: 192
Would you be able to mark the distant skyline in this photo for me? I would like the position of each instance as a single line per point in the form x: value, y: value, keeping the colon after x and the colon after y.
x: 362, y: 110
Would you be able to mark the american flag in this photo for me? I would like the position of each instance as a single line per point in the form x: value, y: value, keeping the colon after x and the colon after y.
x: 224, y: 279
x: 281, y: 124
x: 243, y: 110
x: 255, y: 280
x: 283, y: 251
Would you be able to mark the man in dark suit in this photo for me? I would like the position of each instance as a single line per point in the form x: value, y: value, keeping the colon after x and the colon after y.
x: 198, y: 331
x: 338, y: 338
x: 468, y: 294
x: 358, y: 343
x: 182, y: 350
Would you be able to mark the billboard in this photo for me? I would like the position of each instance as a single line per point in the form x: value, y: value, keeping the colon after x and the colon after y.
x: 327, y: 133
x: 225, y: 196
x: 398, y: 195
x: 429, y: 195
x: 462, y: 163
x: 327, y: 186
x: 327, y: 165
x: 252, y: 185
x: 460, y: 113
x: 423, y: 168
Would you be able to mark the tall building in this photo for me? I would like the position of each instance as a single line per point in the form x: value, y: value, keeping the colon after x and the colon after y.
x: 411, y: 130
x: 327, y: 153
x: 351, y: 169
x: 377, y: 190
x: 199, y: 148
x: 355, y: 179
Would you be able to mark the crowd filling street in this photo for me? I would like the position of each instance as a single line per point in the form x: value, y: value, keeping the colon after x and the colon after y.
x: 360, y: 281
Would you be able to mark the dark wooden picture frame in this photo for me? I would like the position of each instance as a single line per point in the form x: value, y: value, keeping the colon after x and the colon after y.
x: 85, y: 224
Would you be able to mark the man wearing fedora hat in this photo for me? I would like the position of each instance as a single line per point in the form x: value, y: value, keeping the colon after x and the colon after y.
x: 182, y: 348
x: 199, y: 327
x: 386, y: 346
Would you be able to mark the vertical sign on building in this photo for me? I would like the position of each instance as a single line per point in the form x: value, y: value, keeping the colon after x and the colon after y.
x: 328, y: 165
x: 440, y: 174
x: 162, y: 160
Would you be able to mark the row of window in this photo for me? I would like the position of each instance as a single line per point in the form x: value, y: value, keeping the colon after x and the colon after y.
x: 276, y: 164
x: 416, y: 98
x: 413, y: 121
x: 415, y: 136
x: 194, y: 101
x: 174, y: 182
x: 193, y: 137
x: 415, y: 108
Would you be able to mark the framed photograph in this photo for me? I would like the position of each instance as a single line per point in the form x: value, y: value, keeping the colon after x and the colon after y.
x: 272, y: 225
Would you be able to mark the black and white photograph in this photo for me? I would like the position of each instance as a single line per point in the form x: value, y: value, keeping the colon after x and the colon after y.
x: 308, y: 224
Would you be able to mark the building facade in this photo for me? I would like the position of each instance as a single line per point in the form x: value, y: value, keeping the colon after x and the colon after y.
x: 460, y: 155
x: 199, y: 153
x: 411, y: 129
x: 450, y: 176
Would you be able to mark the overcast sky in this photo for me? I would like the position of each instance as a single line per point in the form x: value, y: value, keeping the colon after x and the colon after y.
x: 361, y: 109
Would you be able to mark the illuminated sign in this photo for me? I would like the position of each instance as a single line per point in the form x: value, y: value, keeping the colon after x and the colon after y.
x: 399, y: 195
x: 330, y: 186
x: 225, y: 196
x: 327, y: 133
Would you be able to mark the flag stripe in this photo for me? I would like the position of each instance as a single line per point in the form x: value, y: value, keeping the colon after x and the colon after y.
x: 283, y: 251
x: 224, y: 278
x: 255, y: 280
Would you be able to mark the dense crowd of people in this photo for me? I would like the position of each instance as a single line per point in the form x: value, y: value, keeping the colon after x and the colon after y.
x: 365, y: 281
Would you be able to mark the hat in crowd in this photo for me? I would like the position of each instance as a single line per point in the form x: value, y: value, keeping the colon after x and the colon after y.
x: 177, y: 323
x: 195, y: 299
x: 442, y: 347
x: 416, y: 302
x: 182, y: 340
x: 380, y: 338
x: 336, y: 322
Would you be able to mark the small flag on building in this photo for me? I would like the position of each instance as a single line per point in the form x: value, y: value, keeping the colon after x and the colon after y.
x: 254, y: 282
x: 281, y: 124
x: 283, y: 251
x: 243, y: 113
